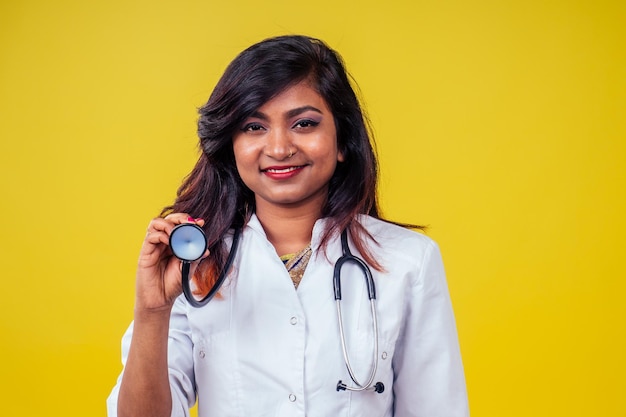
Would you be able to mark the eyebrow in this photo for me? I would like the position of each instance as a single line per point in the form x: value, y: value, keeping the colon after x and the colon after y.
x: 291, y: 113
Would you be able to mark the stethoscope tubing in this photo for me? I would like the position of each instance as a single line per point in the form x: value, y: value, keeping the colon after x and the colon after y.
x: 347, y: 257
x: 359, y: 386
x: 220, y: 280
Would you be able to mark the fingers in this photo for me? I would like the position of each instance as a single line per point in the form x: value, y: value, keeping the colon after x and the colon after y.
x: 156, y: 241
x: 166, y: 224
x: 160, y: 228
x: 178, y: 218
x: 158, y: 272
x: 153, y: 241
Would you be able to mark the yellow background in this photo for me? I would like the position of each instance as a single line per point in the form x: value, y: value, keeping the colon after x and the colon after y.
x: 500, y: 124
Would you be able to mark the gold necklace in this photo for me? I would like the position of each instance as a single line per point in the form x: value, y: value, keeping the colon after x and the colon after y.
x: 296, y: 264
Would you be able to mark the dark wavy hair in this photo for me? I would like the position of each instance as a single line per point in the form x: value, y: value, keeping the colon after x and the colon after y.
x: 215, y: 192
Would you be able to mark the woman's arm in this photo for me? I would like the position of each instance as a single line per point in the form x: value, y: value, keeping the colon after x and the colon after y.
x: 145, y: 386
x: 429, y: 378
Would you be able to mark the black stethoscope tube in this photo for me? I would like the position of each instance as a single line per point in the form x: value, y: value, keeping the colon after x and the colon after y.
x: 348, y: 257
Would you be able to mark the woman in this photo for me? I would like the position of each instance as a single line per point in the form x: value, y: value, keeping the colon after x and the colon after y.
x: 286, y: 158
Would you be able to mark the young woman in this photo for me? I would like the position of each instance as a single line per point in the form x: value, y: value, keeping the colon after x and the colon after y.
x: 287, y: 161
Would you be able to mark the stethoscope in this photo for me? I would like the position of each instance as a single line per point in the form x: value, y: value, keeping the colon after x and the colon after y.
x: 347, y: 256
x: 188, y: 243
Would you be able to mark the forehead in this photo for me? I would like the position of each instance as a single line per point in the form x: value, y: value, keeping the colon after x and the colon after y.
x: 294, y: 96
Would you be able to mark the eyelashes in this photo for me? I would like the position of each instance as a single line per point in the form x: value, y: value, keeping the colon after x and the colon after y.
x: 251, y: 127
x: 302, y: 124
x: 306, y: 123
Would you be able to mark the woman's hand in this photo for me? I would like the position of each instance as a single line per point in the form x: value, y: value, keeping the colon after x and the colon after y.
x: 159, y: 271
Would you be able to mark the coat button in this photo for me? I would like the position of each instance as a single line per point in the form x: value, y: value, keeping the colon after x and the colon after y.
x: 292, y: 398
x: 294, y: 320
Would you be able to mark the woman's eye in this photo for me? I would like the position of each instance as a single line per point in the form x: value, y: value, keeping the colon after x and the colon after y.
x: 252, y: 127
x: 306, y: 123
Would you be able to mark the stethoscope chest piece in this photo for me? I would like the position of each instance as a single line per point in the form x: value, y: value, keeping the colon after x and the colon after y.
x: 188, y: 242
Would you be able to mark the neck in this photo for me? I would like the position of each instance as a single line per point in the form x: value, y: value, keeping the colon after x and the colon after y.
x: 288, y: 229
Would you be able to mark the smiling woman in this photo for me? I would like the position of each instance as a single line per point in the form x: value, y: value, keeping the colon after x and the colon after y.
x: 286, y: 152
x: 287, y: 164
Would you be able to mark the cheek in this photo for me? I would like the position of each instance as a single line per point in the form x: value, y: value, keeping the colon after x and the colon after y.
x: 245, y: 163
x: 324, y: 147
x: 237, y: 147
x: 333, y: 154
x: 243, y: 153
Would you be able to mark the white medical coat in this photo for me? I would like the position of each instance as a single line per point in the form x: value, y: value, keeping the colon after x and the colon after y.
x: 265, y: 349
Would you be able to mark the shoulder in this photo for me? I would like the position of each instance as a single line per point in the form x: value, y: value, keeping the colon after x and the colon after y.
x: 397, y: 243
x: 386, y: 233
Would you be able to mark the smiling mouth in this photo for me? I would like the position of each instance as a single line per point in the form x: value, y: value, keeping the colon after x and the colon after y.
x: 282, y: 170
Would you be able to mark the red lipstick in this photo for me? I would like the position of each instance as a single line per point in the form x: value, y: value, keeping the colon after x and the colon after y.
x: 282, y: 172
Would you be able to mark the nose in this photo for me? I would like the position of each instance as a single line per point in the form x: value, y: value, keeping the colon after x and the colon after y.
x: 279, y: 145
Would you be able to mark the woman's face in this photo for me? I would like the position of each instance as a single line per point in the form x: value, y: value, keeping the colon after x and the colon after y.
x: 286, y: 152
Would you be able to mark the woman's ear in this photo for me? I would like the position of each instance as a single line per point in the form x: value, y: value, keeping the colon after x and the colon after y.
x: 340, y: 157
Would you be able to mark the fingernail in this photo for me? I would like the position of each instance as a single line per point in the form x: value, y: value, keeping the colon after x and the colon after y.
x: 198, y: 219
x: 191, y: 219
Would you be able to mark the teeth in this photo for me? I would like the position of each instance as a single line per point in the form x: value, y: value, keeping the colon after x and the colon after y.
x: 282, y: 171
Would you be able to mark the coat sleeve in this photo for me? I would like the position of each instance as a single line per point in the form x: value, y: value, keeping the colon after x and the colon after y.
x: 428, y: 371
x: 180, y: 363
